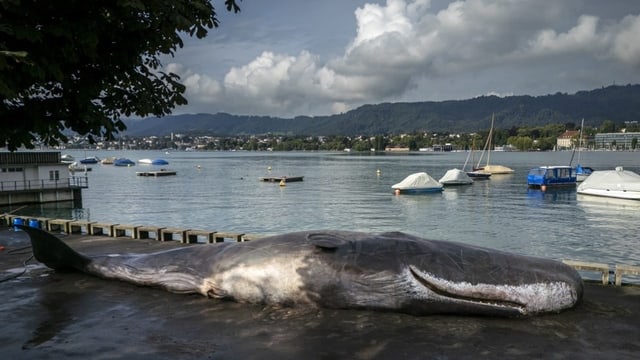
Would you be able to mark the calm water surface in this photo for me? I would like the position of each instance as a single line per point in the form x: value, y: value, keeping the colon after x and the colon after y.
x: 220, y: 191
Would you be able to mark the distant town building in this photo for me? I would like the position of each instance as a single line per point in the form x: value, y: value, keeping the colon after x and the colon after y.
x: 565, y: 141
x: 617, y: 141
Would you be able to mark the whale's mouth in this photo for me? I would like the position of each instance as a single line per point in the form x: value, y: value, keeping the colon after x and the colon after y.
x: 481, y: 294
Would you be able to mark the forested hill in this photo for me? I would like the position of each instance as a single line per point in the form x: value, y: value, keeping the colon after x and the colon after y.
x: 616, y: 103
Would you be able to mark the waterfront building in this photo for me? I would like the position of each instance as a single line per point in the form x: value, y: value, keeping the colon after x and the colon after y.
x: 565, y: 141
x: 37, y: 177
x: 617, y: 141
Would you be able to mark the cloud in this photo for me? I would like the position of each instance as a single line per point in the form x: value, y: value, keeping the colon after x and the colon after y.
x: 403, y: 47
x: 625, y: 45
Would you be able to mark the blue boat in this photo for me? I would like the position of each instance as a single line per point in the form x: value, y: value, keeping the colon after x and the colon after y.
x: 90, y: 160
x: 153, y: 162
x: 582, y: 172
x: 123, y: 162
x: 545, y: 177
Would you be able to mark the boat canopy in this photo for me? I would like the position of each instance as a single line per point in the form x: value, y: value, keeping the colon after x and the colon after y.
x: 420, y: 180
x: 611, y: 180
x: 455, y: 176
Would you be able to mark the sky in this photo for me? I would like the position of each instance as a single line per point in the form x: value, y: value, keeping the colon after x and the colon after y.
x: 287, y: 58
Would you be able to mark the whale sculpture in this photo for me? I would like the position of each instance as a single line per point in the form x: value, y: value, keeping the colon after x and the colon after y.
x: 338, y: 269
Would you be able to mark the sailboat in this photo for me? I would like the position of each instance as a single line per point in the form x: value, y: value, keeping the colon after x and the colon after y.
x: 487, y: 168
x: 581, y: 172
x: 474, y: 174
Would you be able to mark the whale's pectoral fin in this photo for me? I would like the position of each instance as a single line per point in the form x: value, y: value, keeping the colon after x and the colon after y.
x: 53, y: 252
x: 327, y: 240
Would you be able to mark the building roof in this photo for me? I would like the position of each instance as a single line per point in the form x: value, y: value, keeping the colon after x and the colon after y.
x: 569, y: 134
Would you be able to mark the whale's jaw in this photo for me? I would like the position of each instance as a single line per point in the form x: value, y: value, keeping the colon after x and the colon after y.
x: 515, y: 299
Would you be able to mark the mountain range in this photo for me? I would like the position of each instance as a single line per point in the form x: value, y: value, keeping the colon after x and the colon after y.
x: 616, y: 103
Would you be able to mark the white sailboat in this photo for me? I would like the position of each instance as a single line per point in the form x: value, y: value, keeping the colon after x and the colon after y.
x: 488, y: 168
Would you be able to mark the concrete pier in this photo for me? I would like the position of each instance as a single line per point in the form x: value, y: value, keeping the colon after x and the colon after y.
x: 160, y: 233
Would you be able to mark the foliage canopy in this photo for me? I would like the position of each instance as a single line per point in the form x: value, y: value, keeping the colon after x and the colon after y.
x: 81, y: 65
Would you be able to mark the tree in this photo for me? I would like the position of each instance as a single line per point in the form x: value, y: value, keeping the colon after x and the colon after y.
x: 81, y: 65
x: 607, y: 126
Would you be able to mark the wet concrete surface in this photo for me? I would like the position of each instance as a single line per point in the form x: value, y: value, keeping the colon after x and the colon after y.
x: 50, y: 315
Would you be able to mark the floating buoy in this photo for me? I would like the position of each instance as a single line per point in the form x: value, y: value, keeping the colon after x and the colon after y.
x: 1, y: 248
x: 543, y: 187
x: 269, y: 168
x: 378, y: 172
x: 199, y: 167
x: 397, y: 192
x: 283, y: 183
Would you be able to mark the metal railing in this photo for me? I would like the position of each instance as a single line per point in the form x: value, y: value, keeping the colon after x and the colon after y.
x: 74, y: 182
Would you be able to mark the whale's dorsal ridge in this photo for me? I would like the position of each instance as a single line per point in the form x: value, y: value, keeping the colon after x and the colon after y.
x: 327, y: 240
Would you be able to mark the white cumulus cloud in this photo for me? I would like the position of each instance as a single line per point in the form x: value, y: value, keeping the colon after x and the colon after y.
x: 411, y: 50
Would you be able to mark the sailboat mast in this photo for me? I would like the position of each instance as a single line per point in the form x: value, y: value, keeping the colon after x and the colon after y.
x: 487, y: 143
x: 490, y: 140
x: 580, y: 140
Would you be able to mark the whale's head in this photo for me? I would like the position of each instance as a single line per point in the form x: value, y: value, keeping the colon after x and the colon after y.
x: 401, y: 272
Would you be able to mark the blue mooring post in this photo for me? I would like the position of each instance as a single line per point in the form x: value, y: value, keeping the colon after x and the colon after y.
x: 34, y: 223
x: 17, y: 221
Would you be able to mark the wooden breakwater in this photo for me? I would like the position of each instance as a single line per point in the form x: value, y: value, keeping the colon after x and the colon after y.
x: 609, y: 274
x: 187, y: 236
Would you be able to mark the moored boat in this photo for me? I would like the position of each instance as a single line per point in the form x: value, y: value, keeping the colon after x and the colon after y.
x: 582, y: 172
x: 123, y: 162
x: 474, y: 174
x: 90, y: 160
x: 108, y: 160
x: 487, y: 168
x: 77, y: 166
x: 544, y: 177
x: 618, y: 183
x: 417, y: 183
x: 67, y: 159
x: 455, y: 177
x: 153, y: 162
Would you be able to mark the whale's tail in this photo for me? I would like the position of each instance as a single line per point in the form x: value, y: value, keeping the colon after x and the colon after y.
x: 53, y: 252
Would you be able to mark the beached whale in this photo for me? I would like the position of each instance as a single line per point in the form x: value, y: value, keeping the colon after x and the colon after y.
x: 338, y: 269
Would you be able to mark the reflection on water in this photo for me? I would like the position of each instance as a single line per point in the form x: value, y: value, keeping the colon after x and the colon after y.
x: 220, y: 191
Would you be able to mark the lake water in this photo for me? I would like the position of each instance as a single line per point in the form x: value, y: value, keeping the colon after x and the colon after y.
x: 220, y: 191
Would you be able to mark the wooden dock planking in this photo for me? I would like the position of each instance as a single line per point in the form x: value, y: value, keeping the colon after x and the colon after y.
x: 102, y: 229
x: 220, y: 236
x: 194, y: 235
x: 147, y: 232
x: 168, y: 234
x: 625, y: 269
x: 591, y: 266
x: 120, y: 230
x: 80, y: 227
x: 278, y: 179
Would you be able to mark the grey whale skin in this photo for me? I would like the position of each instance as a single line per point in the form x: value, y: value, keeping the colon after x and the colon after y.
x: 340, y: 269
